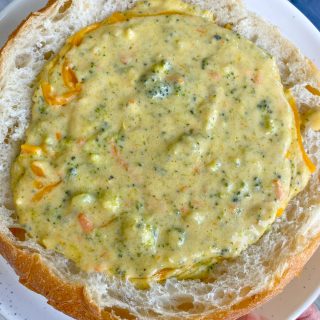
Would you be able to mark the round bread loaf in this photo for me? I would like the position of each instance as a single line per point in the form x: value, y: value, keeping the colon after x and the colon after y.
x: 238, y: 285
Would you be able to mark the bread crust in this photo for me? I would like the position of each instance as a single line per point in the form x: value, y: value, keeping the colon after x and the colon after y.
x: 72, y: 298
x: 21, y: 27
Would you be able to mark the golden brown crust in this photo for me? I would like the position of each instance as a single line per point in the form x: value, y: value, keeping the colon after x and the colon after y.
x: 295, y: 266
x: 23, y: 24
x: 72, y: 299
x: 33, y: 273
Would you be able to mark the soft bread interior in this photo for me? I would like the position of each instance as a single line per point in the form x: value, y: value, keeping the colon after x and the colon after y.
x: 261, y: 266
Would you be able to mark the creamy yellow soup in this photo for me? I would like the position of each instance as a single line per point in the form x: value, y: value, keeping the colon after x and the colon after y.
x: 160, y: 143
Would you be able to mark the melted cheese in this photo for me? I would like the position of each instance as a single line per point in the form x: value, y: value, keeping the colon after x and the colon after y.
x: 158, y: 145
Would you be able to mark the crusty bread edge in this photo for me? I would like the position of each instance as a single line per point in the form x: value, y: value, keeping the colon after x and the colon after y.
x: 72, y: 298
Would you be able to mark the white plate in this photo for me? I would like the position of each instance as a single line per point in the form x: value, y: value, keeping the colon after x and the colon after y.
x: 18, y: 303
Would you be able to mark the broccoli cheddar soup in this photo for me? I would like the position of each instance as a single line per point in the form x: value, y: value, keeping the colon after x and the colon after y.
x: 159, y: 144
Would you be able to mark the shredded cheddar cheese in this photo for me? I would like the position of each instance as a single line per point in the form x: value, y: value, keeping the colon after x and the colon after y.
x: 27, y: 148
x: 46, y: 190
x: 37, y: 170
x: 312, y: 167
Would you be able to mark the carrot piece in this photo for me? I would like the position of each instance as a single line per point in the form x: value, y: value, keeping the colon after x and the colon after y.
x: 311, y: 166
x: 31, y: 149
x: 116, y: 154
x: 214, y: 75
x: 78, y: 37
x: 69, y: 77
x: 37, y: 170
x: 313, y: 90
x: 58, y: 136
x: 201, y: 31
x: 38, y: 196
x: 85, y: 223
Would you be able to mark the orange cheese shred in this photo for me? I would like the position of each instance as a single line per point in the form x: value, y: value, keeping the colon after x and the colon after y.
x: 62, y: 100
x: 313, y: 90
x: 77, y: 38
x: 31, y: 149
x: 38, y: 184
x: 311, y: 166
x: 37, y: 170
x: 117, y: 17
x: 69, y: 77
x: 279, y: 212
x: 38, y: 196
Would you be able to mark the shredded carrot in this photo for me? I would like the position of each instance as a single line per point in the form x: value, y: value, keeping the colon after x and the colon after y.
x: 131, y: 101
x: 38, y: 196
x: 116, y: 154
x: 85, y: 223
x: 77, y: 38
x: 257, y: 79
x: 125, y: 59
x: 68, y: 75
x: 58, y: 100
x: 295, y: 111
x: 313, y: 90
x: 37, y: 170
x: 279, y: 212
x: 28, y: 148
x: 214, y: 75
x: 58, y: 136
x: 201, y: 31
